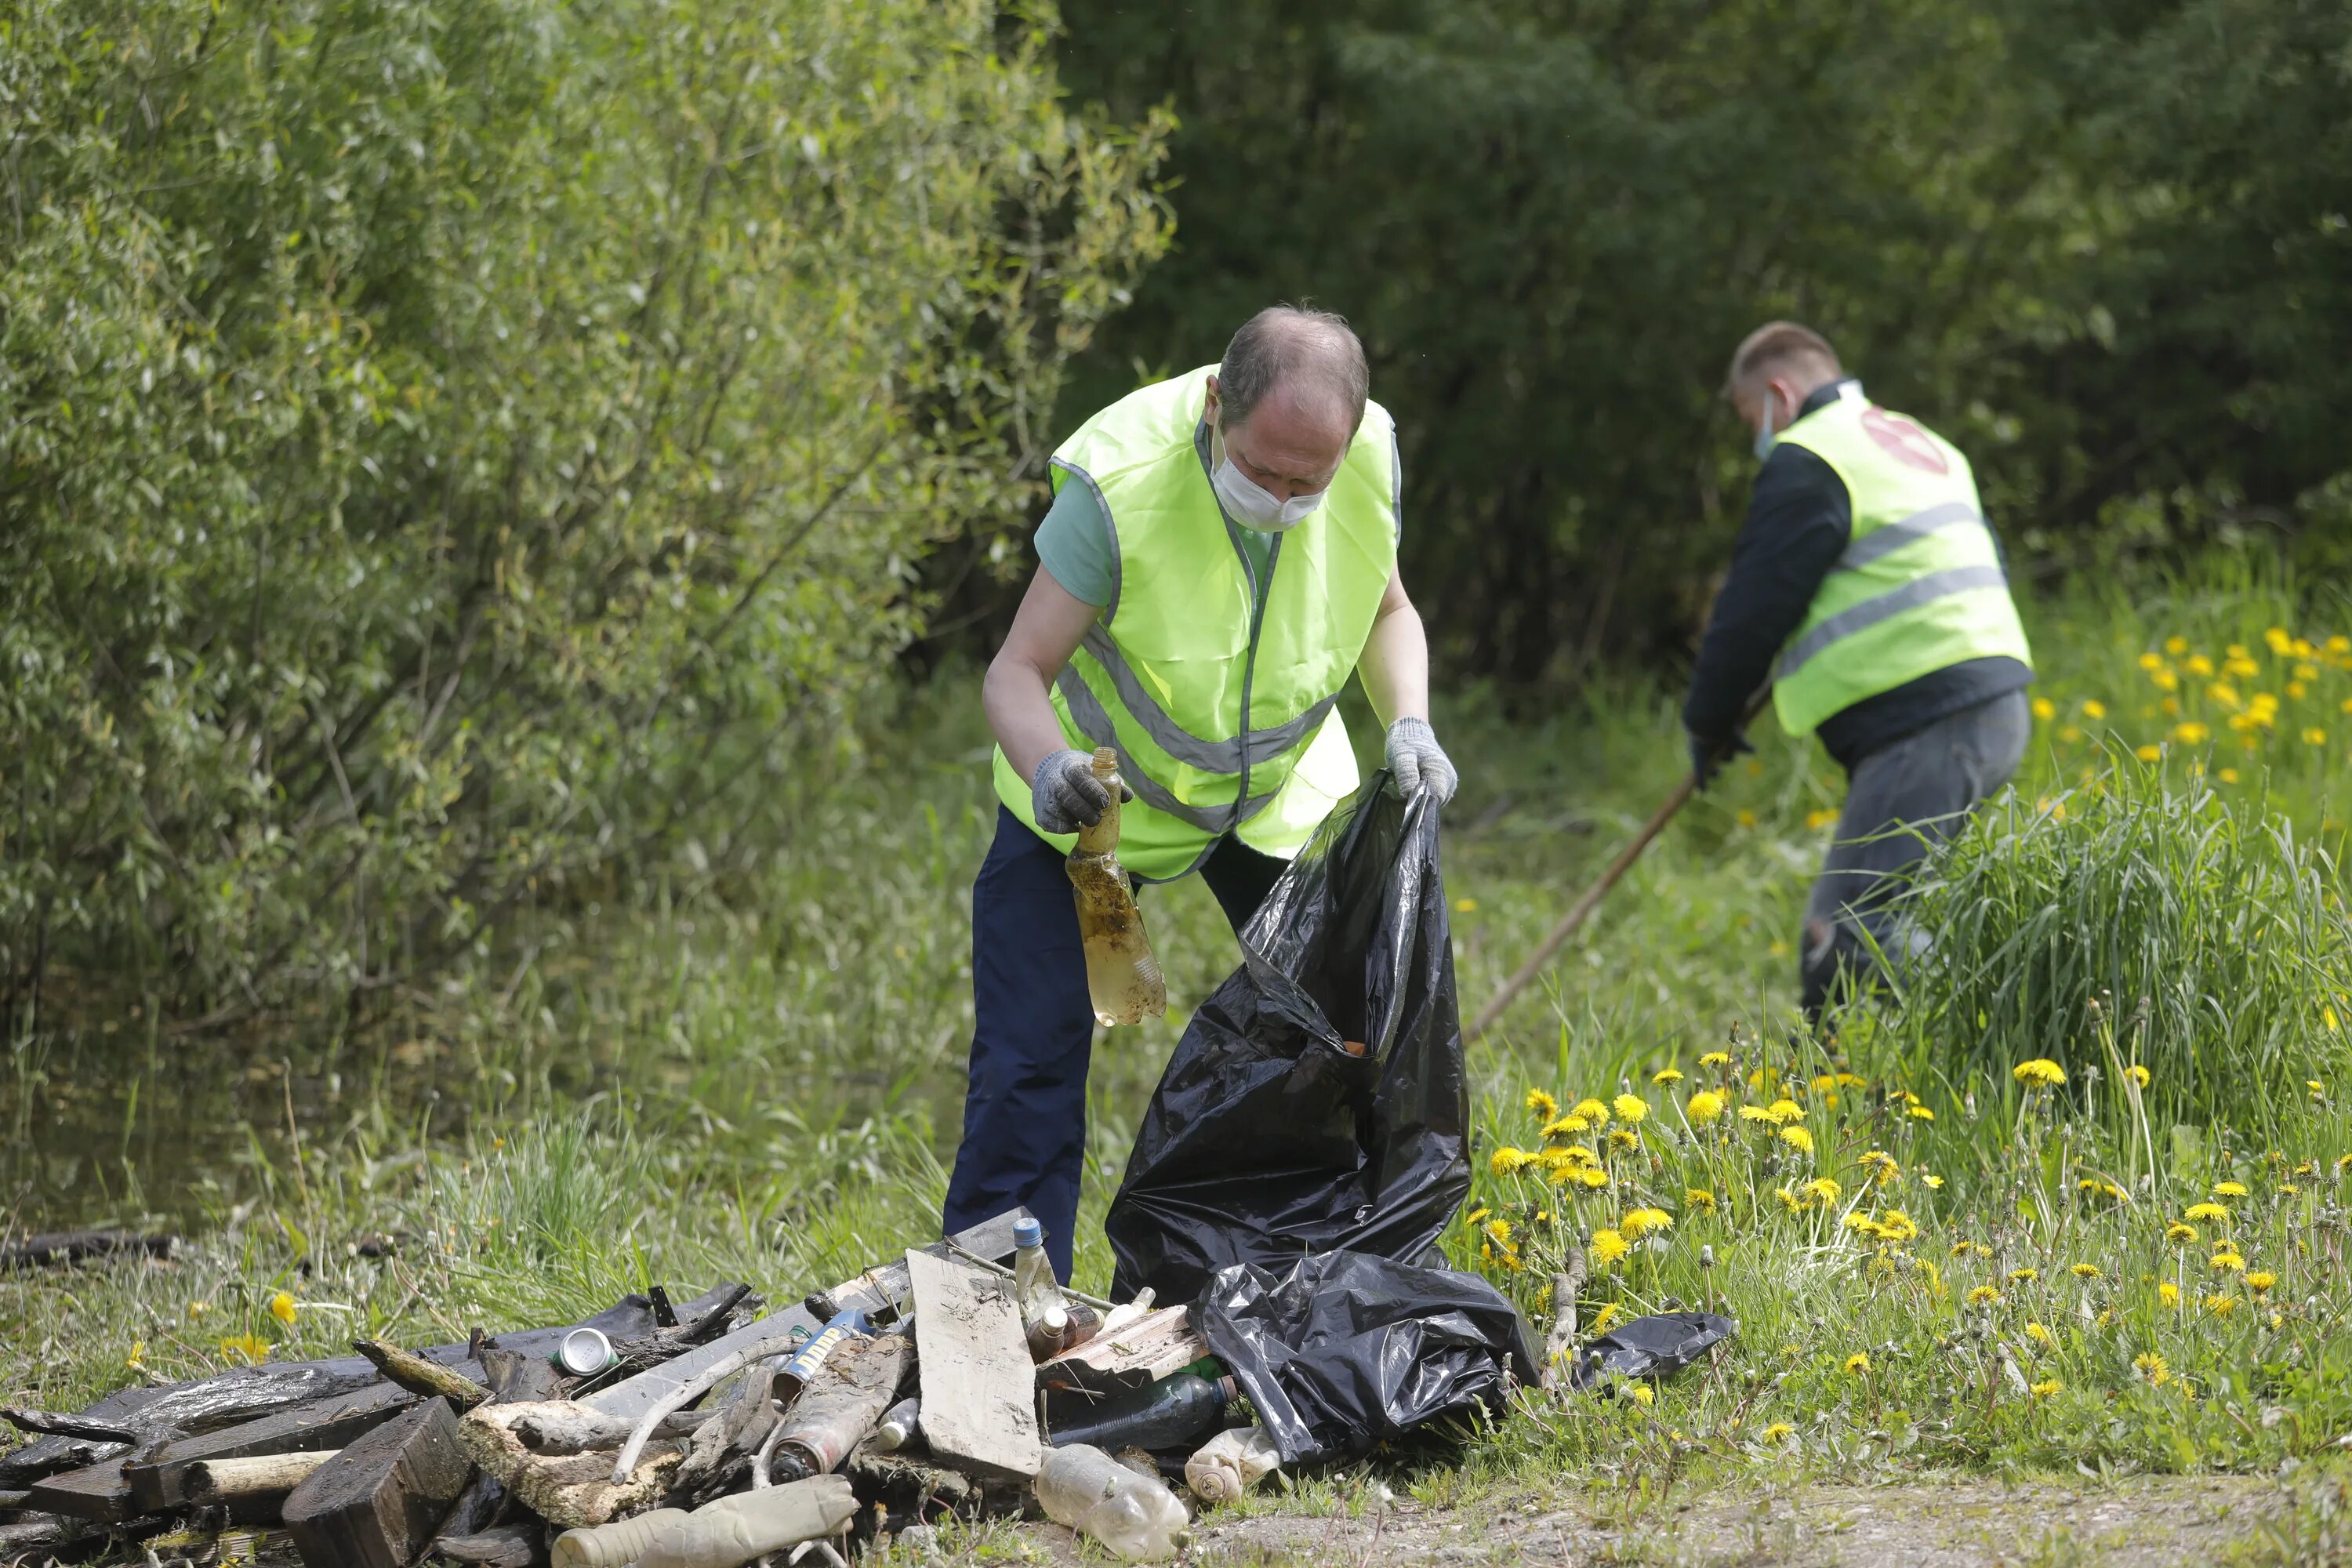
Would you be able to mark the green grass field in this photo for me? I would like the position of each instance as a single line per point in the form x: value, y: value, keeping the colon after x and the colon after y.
x: 1936, y: 1264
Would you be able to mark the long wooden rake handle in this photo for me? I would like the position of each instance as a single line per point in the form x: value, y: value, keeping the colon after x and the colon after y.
x: 1582, y: 910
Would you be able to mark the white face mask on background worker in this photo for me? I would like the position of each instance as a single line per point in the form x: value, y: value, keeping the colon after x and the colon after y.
x: 1287, y: 444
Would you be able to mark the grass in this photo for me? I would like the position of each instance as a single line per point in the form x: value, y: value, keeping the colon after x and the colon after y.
x: 759, y: 1079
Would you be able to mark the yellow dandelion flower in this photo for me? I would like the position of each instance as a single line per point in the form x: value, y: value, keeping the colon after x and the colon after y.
x: 1640, y: 1394
x: 2228, y: 1260
x: 1778, y: 1432
x: 1984, y: 1295
x: 2175, y: 645
x: 1542, y: 1104
x: 1664, y: 1076
x: 1639, y: 1223
x: 251, y: 1350
x: 2314, y: 736
x: 137, y: 1359
x: 2149, y: 753
x: 1857, y: 1363
x: 2229, y: 1189
x: 2178, y: 1234
x: 2046, y: 1387
x: 2094, y: 708
x: 1608, y: 1247
x: 1500, y: 1230
x: 1797, y: 1138
x: 2211, y: 1214
x: 1790, y: 1200
x: 1894, y: 1225
x: 1698, y: 1200
x: 2151, y: 661
x: 1474, y: 1216
x: 1824, y: 1189
x: 1592, y: 1110
x: 1704, y: 1106
x: 1962, y: 1249
x: 1861, y: 1223
x: 1465, y: 906
x: 2083, y: 1270
x: 1624, y: 1138
x: 2040, y: 1335
x: 284, y: 1308
x: 2259, y: 1280
x: 1716, y: 1060
x: 1629, y: 1106
x: 1592, y: 1177
x: 2221, y: 1306
x: 2169, y: 1293
x: 1921, y: 1112
x: 1754, y: 1113
x: 2138, y: 1074
x: 1609, y: 1313
x: 2150, y: 1365
x: 2044, y: 709
x: 1565, y: 1127
x: 1933, y: 1180
x: 2039, y: 1073
x: 1783, y: 1112
x: 2023, y: 1276
x: 1508, y: 1161
x: 2227, y: 775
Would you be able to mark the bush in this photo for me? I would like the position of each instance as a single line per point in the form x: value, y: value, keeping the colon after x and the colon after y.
x: 456, y: 454
x: 2129, y: 923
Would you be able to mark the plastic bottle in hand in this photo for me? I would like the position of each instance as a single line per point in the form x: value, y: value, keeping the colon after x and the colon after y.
x: 1122, y: 976
x: 1135, y: 1516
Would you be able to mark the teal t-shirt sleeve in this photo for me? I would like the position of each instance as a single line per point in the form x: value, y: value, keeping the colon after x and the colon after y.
x: 1073, y: 544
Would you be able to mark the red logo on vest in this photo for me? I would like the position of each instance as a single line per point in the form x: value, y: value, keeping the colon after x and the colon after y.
x: 1908, y: 442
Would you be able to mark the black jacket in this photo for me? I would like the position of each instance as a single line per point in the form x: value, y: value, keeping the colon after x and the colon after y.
x: 1800, y: 518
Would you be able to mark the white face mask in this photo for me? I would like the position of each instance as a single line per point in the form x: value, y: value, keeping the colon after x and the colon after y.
x: 1254, y: 506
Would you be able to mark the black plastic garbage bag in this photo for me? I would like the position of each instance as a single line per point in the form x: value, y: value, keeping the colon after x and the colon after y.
x: 1269, y: 1138
x: 1654, y: 1346
x: 1344, y: 1350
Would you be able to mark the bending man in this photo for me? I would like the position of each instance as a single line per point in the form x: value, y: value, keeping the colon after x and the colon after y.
x: 1868, y: 587
x: 1220, y: 555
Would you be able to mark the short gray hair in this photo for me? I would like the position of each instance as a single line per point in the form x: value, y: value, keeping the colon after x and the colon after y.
x: 1310, y: 353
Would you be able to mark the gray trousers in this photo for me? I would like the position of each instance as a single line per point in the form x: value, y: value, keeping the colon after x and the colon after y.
x: 1902, y: 801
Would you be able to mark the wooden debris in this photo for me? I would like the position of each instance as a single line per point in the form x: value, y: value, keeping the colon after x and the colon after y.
x: 210, y: 1481
x: 566, y: 1427
x: 721, y: 1450
x: 1156, y: 1345
x: 420, y: 1376
x: 634, y: 1396
x: 158, y: 1481
x: 567, y: 1491
x: 376, y: 1503
x: 99, y: 1492
x: 29, y: 1535
x: 885, y: 1290
x: 980, y: 1404
x: 55, y: 1424
x: 508, y: 1546
x: 76, y: 1246
x: 514, y: 1378
x: 1559, y: 1345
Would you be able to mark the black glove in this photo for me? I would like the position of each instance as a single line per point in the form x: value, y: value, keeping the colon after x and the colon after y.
x: 1709, y: 754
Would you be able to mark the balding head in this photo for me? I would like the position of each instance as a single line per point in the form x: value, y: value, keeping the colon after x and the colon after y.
x: 1782, y: 357
x: 1288, y: 396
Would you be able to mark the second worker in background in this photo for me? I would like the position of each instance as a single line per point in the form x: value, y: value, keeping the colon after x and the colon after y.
x: 1868, y: 587
x: 1219, y: 556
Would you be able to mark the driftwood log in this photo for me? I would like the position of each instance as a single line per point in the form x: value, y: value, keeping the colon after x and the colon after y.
x: 158, y: 1482
x: 375, y: 1504
x: 508, y: 1546
x: 567, y: 1491
x: 421, y: 1376
x: 56, y: 1423
x: 210, y: 1482
x: 75, y: 1246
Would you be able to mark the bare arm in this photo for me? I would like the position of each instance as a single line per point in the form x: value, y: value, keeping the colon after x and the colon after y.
x: 1047, y: 629
x: 1395, y: 660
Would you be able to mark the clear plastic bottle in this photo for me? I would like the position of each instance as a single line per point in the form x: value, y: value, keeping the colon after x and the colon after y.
x: 1135, y: 1516
x: 1034, y: 1289
x: 1123, y: 978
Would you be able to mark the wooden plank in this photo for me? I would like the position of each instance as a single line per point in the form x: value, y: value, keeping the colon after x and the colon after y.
x: 159, y: 1482
x: 375, y: 1504
x: 980, y: 1401
x: 1154, y: 1346
x: 101, y: 1492
x: 78, y: 1245
x: 884, y: 1290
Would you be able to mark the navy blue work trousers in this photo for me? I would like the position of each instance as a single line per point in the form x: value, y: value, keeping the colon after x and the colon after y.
x: 1025, y: 1114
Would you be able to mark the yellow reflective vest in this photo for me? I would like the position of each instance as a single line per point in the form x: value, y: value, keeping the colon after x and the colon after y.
x: 1221, y: 707
x: 1920, y: 585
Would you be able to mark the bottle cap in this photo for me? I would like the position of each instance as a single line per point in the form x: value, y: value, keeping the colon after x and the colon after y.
x: 1055, y: 1318
x: 1028, y: 1233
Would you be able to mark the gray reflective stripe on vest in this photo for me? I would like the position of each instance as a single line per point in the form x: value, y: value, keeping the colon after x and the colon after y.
x: 1209, y: 756
x: 1907, y: 530
x: 1870, y: 612
x: 1094, y: 724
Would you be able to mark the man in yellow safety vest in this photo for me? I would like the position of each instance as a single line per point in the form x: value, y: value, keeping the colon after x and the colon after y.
x: 1868, y: 587
x: 1219, y: 556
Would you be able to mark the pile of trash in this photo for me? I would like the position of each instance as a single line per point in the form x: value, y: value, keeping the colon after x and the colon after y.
x: 1285, y: 1307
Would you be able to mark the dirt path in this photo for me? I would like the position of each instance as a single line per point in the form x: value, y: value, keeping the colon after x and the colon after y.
x: 1965, y: 1524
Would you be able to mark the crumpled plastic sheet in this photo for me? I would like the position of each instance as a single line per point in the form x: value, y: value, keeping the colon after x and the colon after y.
x: 1655, y: 1346
x: 1344, y: 1350
x: 1268, y: 1139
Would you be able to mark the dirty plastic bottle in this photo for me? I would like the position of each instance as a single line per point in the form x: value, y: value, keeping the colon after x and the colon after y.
x: 898, y: 1424
x: 1135, y: 1516
x: 1169, y: 1414
x: 1230, y: 1463
x: 1034, y: 1288
x: 1122, y: 976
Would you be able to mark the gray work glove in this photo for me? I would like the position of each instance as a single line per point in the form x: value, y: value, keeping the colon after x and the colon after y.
x: 1417, y: 763
x: 1065, y: 795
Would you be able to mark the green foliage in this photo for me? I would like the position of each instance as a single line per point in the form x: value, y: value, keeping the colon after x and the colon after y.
x: 451, y: 455
x: 2128, y: 924
x: 2101, y: 244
